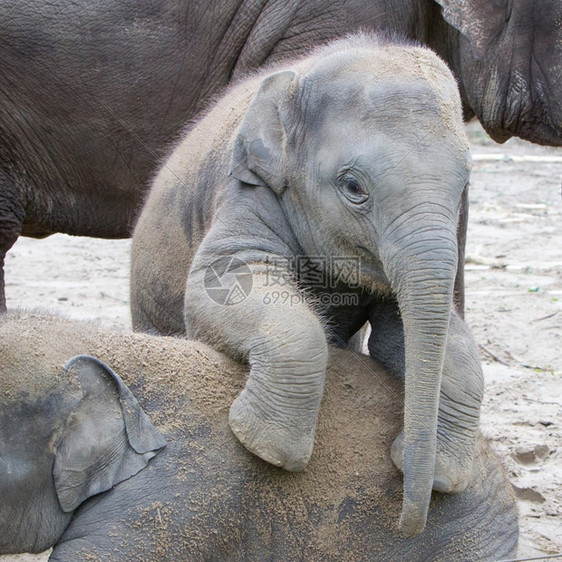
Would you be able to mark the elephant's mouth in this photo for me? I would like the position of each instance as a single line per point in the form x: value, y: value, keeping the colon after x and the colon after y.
x: 371, y: 272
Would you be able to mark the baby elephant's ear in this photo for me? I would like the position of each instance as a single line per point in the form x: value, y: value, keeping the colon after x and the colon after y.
x: 106, y: 439
x: 259, y: 156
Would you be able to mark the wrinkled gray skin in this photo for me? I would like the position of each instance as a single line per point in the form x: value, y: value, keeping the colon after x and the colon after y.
x: 93, y: 93
x: 357, y: 150
x: 203, y: 496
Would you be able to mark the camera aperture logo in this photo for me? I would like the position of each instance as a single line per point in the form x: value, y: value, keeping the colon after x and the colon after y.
x: 228, y: 280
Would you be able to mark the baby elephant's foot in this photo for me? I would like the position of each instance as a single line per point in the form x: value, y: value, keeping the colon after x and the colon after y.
x: 284, y: 443
x: 453, y: 463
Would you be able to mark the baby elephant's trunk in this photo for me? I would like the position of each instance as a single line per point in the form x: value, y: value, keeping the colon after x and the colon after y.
x: 421, y: 267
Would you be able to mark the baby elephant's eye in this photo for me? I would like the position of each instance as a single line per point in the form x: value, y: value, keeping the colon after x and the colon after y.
x: 352, y: 189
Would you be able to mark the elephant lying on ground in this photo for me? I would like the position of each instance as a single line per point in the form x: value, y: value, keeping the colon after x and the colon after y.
x: 203, y: 496
x: 92, y: 93
x: 347, y: 169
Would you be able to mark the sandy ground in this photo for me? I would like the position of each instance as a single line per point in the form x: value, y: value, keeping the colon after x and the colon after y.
x: 514, y: 307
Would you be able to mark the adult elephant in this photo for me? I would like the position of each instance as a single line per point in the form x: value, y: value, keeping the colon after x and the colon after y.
x: 71, y: 437
x: 93, y: 93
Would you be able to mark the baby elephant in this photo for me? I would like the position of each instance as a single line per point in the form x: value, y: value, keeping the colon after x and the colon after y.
x: 305, y: 203
x: 69, y: 433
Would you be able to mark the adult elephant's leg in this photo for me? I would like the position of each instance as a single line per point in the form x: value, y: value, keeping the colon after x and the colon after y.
x: 460, y: 397
x: 11, y: 219
x: 284, y: 342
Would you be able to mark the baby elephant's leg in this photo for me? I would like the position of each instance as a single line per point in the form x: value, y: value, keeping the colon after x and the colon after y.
x: 462, y: 388
x: 284, y: 342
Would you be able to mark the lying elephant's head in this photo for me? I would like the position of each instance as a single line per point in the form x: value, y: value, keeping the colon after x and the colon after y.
x: 508, y: 61
x: 63, y: 439
x: 380, y: 175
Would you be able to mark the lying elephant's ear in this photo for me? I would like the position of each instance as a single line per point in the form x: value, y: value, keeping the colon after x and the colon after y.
x: 480, y: 21
x: 106, y: 439
x: 259, y: 156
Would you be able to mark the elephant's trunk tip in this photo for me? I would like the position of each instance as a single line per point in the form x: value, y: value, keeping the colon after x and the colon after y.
x: 412, y: 519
